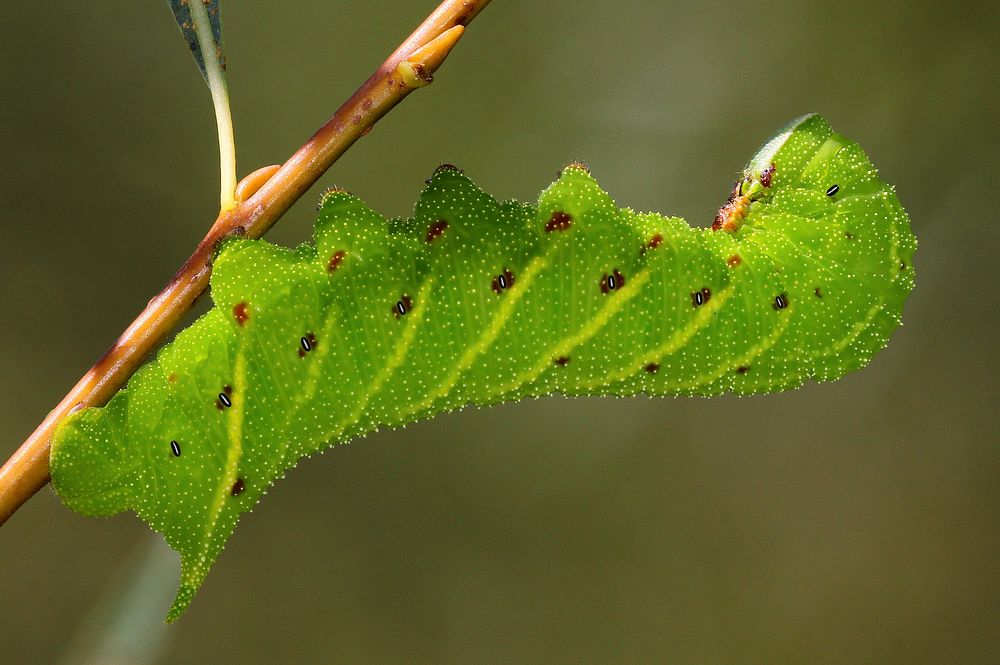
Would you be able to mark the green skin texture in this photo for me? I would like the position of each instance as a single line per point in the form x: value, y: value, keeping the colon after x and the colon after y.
x: 552, y: 330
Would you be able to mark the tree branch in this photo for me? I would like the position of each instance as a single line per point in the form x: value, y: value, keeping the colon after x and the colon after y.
x: 410, y: 66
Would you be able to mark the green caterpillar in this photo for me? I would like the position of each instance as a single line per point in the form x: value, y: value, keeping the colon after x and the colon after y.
x: 384, y: 322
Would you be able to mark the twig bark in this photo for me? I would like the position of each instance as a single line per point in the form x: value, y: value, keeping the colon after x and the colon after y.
x: 410, y: 66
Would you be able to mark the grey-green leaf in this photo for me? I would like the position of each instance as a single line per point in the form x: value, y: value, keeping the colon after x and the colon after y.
x: 182, y: 13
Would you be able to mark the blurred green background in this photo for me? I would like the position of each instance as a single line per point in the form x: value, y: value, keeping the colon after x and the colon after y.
x: 853, y: 522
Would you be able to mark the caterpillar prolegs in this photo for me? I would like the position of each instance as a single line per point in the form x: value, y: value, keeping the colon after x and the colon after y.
x: 382, y: 322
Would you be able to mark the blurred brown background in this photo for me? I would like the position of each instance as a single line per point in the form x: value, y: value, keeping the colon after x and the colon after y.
x: 853, y: 522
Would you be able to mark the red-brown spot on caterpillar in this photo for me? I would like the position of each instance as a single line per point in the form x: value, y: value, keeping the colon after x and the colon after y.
x: 402, y: 306
x: 734, y: 260
x: 611, y: 282
x: 241, y: 313
x: 742, y: 369
x: 306, y: 344
x: 435, y: 230
x: 502, y: 281
x: 562, y: 361
x: 731, y: 215
x: 767, y: 175
x: 559, y: 221
x: 172, y: 378
x: 653, y: 243
x: 652, y: 368
x: 238, y: 487
x: 699, y: 298
x: 336, y: 260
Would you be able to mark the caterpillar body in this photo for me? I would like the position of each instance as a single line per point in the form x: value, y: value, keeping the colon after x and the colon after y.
x: 472, y: 301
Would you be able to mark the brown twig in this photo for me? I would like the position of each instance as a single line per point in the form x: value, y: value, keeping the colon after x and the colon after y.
x: 409, y: 67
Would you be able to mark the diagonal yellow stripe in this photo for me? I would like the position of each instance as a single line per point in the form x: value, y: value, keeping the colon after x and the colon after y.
x: 680, y: 337
x: 311, y: 381
x: 862, y: 325
x: 626, y: 293
x: 415, y: 316
x: 234, y: 432
x: 486, y: 339
x: 746, y: 359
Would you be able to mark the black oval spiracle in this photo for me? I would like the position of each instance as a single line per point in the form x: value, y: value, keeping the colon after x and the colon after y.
x: 502, y: 282
x: 175, y: 448
x: 402, y: 306
x: 224, y: 400
x: 780, y: 301
x: 832, y: 190
x: 699, y: 298
x: 307, y: 343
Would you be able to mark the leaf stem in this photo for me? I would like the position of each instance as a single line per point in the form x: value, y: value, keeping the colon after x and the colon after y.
x: 216, y: 78
x: 421, y: 54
